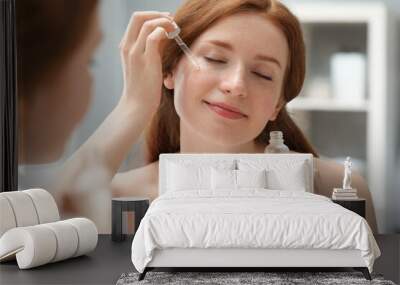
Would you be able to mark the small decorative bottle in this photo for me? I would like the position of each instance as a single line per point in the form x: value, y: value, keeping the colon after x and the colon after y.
x: 276, y: 144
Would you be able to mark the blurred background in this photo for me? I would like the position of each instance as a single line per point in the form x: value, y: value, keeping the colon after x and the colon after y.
x: 348, y: 107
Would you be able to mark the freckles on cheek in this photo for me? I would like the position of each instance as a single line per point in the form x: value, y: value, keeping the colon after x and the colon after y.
x: 183, y: 91
x: 193, y: 83
x: 199, y: 79
x: 264, y: 109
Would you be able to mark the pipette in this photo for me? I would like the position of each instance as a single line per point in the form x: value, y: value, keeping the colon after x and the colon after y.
x: 175, y: 35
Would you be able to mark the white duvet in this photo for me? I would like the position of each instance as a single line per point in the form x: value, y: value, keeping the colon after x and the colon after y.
x: 251, y: 218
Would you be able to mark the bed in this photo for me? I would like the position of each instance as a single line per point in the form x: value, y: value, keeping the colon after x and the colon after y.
x: 247, y: 211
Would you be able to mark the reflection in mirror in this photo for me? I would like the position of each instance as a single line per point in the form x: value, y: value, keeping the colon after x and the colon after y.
x: 56, y: 44
x: 70, y: 82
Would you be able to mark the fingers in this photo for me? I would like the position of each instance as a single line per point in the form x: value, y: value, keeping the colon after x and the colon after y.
x: 136, y: 23
x: 153, y: 43
x: 148, y: 28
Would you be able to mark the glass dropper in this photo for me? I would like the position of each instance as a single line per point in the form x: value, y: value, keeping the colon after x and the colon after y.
x: 186, y: 50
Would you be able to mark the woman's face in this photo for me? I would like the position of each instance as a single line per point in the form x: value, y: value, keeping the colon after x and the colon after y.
x: 242, y: 62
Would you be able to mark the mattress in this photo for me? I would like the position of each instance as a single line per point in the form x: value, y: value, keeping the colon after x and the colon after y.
x: 250, y: 219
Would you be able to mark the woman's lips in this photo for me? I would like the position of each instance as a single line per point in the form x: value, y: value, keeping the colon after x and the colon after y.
x: 224, y: 112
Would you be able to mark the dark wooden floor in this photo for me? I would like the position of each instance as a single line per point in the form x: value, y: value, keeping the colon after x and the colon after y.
x: 389, y: 262
x: 106, y: 264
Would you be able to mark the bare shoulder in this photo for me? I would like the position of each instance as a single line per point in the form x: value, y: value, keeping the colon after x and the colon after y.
x: 329, y: 174
x: 141, y: 181
x: 327, y: 166
x: 331, y: 170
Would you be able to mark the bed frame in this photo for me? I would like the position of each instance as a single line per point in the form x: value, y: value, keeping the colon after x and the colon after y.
x: 235, y: 259
x: 250, y: 259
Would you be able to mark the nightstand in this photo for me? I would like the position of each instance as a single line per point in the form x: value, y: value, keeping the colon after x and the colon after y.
x: 356, y: 205
x: 138, y: 205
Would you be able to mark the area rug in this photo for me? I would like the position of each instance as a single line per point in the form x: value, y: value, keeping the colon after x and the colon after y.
x: 229, y: 278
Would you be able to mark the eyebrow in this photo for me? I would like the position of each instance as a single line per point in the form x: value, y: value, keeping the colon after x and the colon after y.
x: 258, y: 56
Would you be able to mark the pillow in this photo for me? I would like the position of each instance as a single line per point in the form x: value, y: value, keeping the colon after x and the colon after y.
x: 236, y: 179
x: 182, y: 177
x: 293, y: 179
x: 281, y: 174
x: 184, y: 174
x: 251, y: 178
x: 204, y: 162
x: 223, y: 179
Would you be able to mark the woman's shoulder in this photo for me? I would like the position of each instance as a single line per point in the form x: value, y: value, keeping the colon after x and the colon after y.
x: 139, y: 181
x: 328, y: 170
x: 330, y: 167
x: 329, y: 174
x: 324, y: 165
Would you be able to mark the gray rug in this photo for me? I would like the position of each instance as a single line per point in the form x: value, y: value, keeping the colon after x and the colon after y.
x: 228, y: 278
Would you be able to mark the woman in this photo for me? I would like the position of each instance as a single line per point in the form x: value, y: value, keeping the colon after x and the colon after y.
x: 56, y: 41
x: 252, y: 60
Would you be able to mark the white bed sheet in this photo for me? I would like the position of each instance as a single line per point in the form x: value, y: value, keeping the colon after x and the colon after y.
x: 251, y: 218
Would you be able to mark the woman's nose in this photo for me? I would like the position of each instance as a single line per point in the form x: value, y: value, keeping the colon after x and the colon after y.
x: 233, y: 82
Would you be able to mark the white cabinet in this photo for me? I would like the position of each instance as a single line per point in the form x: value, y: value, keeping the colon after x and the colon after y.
x: 366, y: 128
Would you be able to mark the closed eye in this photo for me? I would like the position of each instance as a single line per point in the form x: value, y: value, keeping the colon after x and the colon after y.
x: 269, y: 78
x: 213, y: 60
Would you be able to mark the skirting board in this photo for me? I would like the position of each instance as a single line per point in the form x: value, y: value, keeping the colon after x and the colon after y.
x: 233, y: 257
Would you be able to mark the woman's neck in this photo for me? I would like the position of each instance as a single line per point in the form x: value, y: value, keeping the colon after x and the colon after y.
x: 194, y: 143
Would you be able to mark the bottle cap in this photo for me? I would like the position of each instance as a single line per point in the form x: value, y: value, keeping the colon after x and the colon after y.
x: 276, y: 135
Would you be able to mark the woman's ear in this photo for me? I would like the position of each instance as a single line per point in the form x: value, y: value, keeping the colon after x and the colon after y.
x: 278, y: 108
x: 169, y: 81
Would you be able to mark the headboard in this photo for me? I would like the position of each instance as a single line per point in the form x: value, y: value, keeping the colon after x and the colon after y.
x: 210, y: 157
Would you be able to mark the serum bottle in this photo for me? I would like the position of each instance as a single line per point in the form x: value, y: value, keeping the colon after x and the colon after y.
x: 276, y: 144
